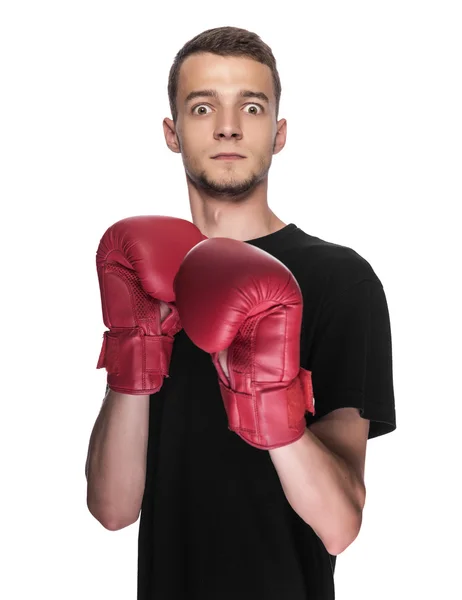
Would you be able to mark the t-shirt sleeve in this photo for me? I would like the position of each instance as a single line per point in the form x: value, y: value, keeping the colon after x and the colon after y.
x: 351, y: 357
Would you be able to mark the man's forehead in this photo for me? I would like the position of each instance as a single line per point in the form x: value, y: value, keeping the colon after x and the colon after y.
x: 209, y: 71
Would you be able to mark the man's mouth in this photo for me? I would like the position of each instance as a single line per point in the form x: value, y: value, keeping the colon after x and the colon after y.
x: 226, y: 156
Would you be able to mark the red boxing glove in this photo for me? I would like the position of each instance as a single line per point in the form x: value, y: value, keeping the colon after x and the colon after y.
x: 137, y: 260
x: 232, y: 295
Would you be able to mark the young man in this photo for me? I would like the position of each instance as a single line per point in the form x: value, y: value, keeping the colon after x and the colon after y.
x: 228, y: 512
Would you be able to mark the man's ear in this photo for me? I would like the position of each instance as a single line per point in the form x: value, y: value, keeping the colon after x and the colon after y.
x: 171, y: 137
x: 281, y: 136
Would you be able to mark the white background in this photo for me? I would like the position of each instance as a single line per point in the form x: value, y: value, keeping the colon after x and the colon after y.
x: 372, y: 95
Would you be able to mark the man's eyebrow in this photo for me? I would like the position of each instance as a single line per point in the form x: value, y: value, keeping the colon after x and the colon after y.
x: 214, y: 94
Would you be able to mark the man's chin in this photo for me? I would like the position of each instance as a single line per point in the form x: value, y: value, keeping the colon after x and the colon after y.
x: 223, y: 188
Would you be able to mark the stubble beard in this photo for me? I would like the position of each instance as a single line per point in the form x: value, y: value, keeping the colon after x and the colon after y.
x: 230, y: 186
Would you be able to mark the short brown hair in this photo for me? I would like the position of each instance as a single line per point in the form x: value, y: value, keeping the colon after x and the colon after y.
x: 224, y: 41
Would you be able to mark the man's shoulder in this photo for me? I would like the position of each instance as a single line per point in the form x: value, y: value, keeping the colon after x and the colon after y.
x: 328, y: 264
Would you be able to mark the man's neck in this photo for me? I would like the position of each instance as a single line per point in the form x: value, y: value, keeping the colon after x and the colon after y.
x: 242, y: 221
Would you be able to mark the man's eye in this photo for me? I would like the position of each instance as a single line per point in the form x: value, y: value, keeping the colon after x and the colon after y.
x: 200, y: 106
x: 253, y: 105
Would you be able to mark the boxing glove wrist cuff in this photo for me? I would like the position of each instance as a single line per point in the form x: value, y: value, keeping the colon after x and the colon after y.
x: 136, y: 363
x: 272, y: 415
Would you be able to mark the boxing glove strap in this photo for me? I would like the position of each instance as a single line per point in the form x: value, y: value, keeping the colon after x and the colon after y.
x: 271, y: 415
x: 136, y: 363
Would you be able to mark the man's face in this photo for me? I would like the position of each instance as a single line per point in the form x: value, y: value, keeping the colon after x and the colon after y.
x: 240, y: 117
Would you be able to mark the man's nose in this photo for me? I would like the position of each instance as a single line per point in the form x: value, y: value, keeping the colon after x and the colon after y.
x: 228, y: 126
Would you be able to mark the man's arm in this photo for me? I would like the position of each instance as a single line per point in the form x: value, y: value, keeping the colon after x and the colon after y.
x: 137, y: 260
x: 322, y: 475
x: 116, y: 461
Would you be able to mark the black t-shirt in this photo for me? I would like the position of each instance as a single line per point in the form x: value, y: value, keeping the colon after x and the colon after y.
x: 215, y: 523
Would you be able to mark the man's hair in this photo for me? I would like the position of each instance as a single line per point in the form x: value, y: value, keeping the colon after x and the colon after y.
x: 224, y: 41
